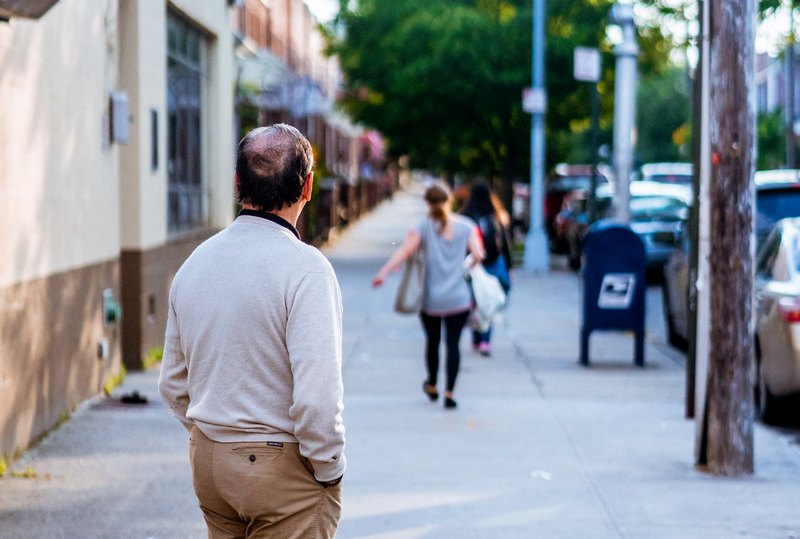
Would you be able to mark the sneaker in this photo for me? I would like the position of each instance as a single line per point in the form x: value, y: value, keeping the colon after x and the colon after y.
x: 485, y: 349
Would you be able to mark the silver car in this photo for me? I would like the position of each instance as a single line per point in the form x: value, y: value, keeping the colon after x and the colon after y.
x: 777, y: 316
x: 777, y: 197
x: 657, y: 212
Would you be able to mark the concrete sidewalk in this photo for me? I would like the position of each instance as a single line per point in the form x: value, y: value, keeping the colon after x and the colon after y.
x: 538, y: 447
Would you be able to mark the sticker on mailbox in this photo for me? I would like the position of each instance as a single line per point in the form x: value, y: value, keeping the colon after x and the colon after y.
x: 616, y: 292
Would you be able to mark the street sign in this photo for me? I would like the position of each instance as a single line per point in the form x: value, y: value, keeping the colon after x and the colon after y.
x: 534, y: 100
x: 586, y: 64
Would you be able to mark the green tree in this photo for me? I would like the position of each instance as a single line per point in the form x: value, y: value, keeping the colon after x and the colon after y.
x: 664, y: 117
x: 442, y: 79
x: 771, y: 140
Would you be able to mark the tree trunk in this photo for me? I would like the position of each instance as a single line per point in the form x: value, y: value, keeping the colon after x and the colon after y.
x: 729, y: 401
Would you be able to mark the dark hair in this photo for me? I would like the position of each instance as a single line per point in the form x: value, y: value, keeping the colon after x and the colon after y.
x: 272, y: 164
x: 479, y: 203
x: 437, y: 195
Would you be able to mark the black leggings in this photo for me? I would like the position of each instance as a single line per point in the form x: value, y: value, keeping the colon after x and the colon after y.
x: 453, y: 325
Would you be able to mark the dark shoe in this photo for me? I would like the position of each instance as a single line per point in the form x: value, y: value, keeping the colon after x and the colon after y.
x: 430, y: 391
x: 449, y: 403
x: 133, y: 398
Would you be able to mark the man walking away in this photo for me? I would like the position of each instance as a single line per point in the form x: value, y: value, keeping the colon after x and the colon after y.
x: 253, y: 357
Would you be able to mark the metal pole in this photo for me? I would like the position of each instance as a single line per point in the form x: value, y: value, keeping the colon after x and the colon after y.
x: 595, y: 130
x: 536, y: 252
x: 791, y: 160
x: 624, y: 107
x: 703, y: 239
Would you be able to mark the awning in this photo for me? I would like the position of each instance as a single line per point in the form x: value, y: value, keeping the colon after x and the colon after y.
x: 31, y: 9
x: 266, y: 82
x: 260, y: 70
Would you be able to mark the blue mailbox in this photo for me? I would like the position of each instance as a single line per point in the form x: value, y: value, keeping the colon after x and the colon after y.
x: 613, y: 284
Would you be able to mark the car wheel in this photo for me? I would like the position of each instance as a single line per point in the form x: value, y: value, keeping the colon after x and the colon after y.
x: 765, y: 401
x: 673, y: 337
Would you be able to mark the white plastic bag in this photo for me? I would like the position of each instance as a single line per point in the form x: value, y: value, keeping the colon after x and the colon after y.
x: 487, y: 292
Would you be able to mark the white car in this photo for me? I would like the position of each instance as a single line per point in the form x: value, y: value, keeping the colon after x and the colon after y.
x: 777, y: 316
x: 673, y: 173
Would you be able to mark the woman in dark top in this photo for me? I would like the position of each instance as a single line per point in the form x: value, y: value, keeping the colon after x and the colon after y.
x: 482, y: 208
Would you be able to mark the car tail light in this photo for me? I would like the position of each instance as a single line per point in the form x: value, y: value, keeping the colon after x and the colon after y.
x: 789, y: 310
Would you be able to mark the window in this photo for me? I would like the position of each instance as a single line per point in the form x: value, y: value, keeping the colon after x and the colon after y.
x: 186, y: 197
x: 767, y: 255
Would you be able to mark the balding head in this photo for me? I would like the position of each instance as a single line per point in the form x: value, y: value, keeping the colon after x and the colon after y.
x: 272, y: 165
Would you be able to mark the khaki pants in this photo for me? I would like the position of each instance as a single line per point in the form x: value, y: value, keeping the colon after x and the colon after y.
x: 256, y: 490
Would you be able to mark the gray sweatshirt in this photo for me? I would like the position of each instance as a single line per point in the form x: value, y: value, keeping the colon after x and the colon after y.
x: 253, y: 347
x: 446, y: 290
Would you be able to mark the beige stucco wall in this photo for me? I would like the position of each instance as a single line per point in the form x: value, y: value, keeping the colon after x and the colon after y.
x: 142, y: 201
x: 58, y: 183
x: 143, y: 73
x: 71, y: 202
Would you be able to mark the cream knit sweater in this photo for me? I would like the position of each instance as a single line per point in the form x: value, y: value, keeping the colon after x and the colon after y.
x: 253, y: 348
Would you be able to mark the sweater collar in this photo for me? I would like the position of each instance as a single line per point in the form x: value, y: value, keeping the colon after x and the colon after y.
x: 272, y: 217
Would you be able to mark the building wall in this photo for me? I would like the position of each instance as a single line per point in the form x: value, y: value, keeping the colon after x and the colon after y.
x: 58, y: 207
x: 55, y: 351
x: 80, y: 214
x: 150, y: 254
x: 59, y: 225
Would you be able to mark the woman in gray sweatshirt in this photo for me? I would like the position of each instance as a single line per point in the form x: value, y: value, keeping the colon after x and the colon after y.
x: 445, y: 239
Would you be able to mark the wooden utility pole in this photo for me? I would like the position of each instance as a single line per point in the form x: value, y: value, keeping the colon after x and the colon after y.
x: 727, y: 447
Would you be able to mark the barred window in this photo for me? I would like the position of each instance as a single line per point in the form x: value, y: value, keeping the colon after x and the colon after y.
x: 185, y: 74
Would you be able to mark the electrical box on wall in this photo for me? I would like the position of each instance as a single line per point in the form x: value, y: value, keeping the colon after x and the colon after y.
x: 112, y: 311
x: 119, y: 116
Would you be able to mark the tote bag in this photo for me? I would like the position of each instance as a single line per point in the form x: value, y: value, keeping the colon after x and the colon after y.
x: 412, y: 285
x: 486, y: 291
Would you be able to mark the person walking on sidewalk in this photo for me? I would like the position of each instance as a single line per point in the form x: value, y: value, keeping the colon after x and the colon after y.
x: 252, y: 361
x: 445, y: 239
x: 485, y: 208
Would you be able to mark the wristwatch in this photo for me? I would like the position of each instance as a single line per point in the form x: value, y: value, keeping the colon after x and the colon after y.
x: 331, y: 483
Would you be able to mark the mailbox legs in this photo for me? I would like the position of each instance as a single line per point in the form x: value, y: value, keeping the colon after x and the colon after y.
x: 638, y: 357
x: 584, y: 359
x: 639, y: 351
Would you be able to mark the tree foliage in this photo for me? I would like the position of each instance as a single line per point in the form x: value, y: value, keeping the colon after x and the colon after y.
x: 664, y: 122
x: 443, y: 79
x: 771, y: 140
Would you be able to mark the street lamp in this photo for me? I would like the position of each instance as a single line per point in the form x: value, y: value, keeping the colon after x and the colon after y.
x: 626, y: 53
x: 536, y: 252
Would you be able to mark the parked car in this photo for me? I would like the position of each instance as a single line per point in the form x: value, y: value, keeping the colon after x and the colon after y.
x: 680, y: 173
x: 777, y: 317
x: 657, y: 213
x: 520, y: 210
x: 567, y: 179
x: 777, y: 197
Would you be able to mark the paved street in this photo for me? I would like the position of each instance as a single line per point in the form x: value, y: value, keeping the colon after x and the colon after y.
x: 539, y: 447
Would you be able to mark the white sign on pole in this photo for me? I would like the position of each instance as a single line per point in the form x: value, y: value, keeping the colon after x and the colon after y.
x: 534, y: 100
x: 587, y: 64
